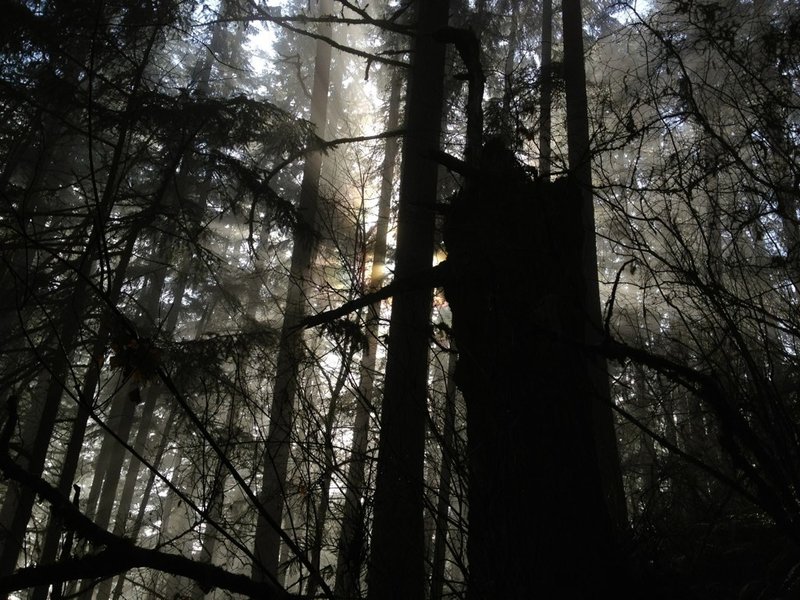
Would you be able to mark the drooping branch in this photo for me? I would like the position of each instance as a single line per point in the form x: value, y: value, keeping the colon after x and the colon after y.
x: 285, y: 22
x: 737, y: 435
x: 454, y: 164
x: 123, y: 556
x: 119, y: 554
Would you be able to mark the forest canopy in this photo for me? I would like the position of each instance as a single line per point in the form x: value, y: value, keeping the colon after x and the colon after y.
x: 413, y: 299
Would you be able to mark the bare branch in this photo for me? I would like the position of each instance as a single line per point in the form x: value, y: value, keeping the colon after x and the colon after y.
x: 119, y: 555
x: 431, y: 278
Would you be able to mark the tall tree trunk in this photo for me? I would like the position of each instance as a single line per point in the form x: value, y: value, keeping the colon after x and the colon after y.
x: 396, y: 564
x: 546, y: 98
x: 78, y: 431
x: 350, y: 548
x: 18, y: 502
x: 320, y: 510
x: 443, y: 494
x: 508, y: 124
x: 580, y: 172
x: 128, y: 488
x: 540, y: 523
x: 538, y: 520
x: 276, y: 454
x: 133, y: 534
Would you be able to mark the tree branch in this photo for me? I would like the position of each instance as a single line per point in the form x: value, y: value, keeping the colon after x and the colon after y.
x: 119, y: 554
x: 428, y: 279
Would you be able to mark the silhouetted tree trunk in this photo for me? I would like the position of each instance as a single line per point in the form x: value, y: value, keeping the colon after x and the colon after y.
x: 443, y: 493
x: 538, y: 520
x: 128, y: 488
x: 546, y: 90
x: 396, y: 564
x: 541, y: 519
x: 580, y: 173
x: 276, y: 454
x: 351, y: 539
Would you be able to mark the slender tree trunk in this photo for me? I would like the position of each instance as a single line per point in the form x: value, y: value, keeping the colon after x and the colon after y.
x: 320, y: 514
x: 18, y: 502
x: 85, y: 401
x: 443, y: 494
x: 580, y: 172
x: 546, y: 99
x: 276, y: 454
x: 129, y: 487
x: 396, y: 565
x: 137, y: 523
x: 351, y: 538
x: 508, y: 123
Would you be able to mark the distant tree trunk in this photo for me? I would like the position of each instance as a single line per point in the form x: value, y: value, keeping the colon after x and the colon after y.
x: 276, y: 454
x: 18, y: 501
x: 351, y: 546
x: 215, y: 502
x: 580, y: 172
x: 396, y: 564
x: 133, y: 534
x: 320, y: 509
x: 129, y: 487
x: 508, y: 123
x: 443, y: 493
x: 546, y: 87
x: 120, y: 420
x: 75, y: 443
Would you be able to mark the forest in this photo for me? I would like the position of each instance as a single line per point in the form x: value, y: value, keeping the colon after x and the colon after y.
x: 400, y: 300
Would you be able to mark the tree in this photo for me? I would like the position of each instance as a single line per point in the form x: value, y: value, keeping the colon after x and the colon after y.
x: 161, y: 244
x: 276, y: 456
x: 397, y: 550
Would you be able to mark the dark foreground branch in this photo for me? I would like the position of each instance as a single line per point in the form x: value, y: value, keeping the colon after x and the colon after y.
x: 750, y: 453
x: 122, y: 557
x: 119, y: 554
x: 428, y: 279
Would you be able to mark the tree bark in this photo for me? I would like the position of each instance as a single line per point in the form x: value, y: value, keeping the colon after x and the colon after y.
x: 443, y: 493
x: 538, y: 521
x: 396, y: 564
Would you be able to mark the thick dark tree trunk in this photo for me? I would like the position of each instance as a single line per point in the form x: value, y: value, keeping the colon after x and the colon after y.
x: 538, y: 522
x: 543, y: 508
x: 396, y: 566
